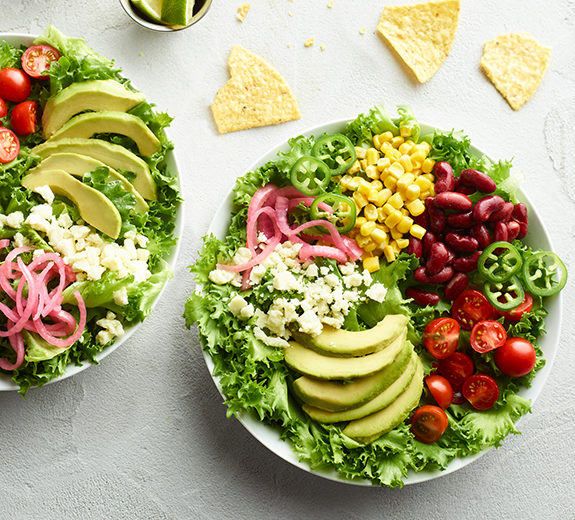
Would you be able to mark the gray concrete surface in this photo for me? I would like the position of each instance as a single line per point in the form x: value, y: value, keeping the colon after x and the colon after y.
x: 144, y: 435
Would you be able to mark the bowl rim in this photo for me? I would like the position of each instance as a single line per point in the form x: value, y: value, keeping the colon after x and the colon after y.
x: 130, y: 11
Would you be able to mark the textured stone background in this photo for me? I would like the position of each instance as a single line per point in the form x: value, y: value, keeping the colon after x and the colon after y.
x: 144, y: 435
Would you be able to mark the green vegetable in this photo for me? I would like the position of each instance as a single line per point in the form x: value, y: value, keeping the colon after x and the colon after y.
x: 310, y: 175
x: 336, y: 151
x: 344, y: 211
x: 499, y: 261
x: 544, y: 273
x: 505, y: 295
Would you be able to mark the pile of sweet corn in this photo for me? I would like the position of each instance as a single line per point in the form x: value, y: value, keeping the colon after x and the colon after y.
x: 390, y: 182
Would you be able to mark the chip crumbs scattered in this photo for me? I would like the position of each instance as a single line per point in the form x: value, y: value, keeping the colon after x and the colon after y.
x: 515, y: 64
x: 255, y: 95
x: 330, y: 4
x: 243, y: 12
x: 308, y: 43
x: 421, y: 34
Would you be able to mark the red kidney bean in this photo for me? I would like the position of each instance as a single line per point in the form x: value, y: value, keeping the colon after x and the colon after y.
x: 522, y: 230
x: 415, y: 247
x: 427, y: 241
x: 459, y: 187
x: 437, y: 258
x: 466, y: 264
x: 461, y: 220
x: 443, y: 276
x: 453, y: 200
x: 503, y: 214
x: 520, y: 212
x: 422, y: 220
x: 422, y: 298
x: 435, y: 215
x: 478, y: 180
x: 513, y: 229
x: 450, y: 256
x: 461, y: 243
x: 500, y: 232
x: 486, y: 206
x: 443, y: 177
x: 480, y: 233
x: 456, y: 286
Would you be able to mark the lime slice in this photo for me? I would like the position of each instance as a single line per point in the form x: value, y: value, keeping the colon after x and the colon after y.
x: 148, y: 9
x: 177, y: 12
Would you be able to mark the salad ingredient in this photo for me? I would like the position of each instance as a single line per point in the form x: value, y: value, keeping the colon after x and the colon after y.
x: 524, y: 307
x: 242, y: 12
x: 441, y: 390
x: 428, y: 423
x: 336, y: 151
x: 96, y: 95
x: 516, y: 357
x: 443, y: 177
x: 309, y: 362
x: 422, y: 298
x: 441, y: 337
x: 456, y: 368
x: 456, y: 285
x: 477, y: 180
x: 24, y: 118
x: 544, y: 273
x: 339, y: 210
x: 487, y: 335
x: 15, y: 85
x: 516, y: 65
x: 499, y: 261
x: 421, y: 34
x: 9, y: 145
x: 471, y: 307
x: 255, y: 95
x: 506, y: 295
x: 452, y: 200
x: 310, y: 176
x: 37, y: 59
x: 150, y: 10
x: 481, y: 391
x: 3, y: 109
x: 177, y: 13
x: 84, y: 126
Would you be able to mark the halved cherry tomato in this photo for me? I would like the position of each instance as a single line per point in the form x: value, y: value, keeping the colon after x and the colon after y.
x: 24, y: 118
x: 428, y: 423
x: 456, y: 369
x: 3, y: 108
x: 37, y: 59
x: 487, y: 335
x: 15, y: 85
x: 9, y: 146
x: 470, y: 307
x: 516, y: 357
x: 441, y: 337
x: 522, y: 308
x: 481, y: 391
x: 440, y: 389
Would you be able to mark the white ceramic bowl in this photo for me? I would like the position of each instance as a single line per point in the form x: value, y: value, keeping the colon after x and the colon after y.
x: 270, y: 436
x: 6, y: 384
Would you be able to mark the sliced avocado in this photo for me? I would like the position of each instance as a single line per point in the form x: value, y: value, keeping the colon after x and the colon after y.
x: 311, y: 363
x: 94, y: 207
x: 373, y: 426
x: 78, y: 165
x: 335, y: 396
x: 87, y: 95
x: 109, y: 122
x: 379, y: 402
x: 337, y: 342
x: 112, y: 155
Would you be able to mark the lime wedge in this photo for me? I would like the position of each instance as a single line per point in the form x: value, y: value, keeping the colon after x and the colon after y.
x: 177, y: 12
x: 149, y: 9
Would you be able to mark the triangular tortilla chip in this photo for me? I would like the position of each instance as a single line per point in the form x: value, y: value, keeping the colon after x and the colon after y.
x: 255, y: 95
x: 515, y: 64
x: 421, y: 34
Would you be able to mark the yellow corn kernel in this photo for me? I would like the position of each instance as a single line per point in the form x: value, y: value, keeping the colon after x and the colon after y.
x: 376, y: 185
x: 397, y: 141
x: 415, y: 207
x: 425, y: 146
x: 363, y: 241
x: 417, y: 154
x: 354, y: 167
x: 363, y: 164
x: 428, y: 165
x: 364, y: 187
x: 404, y: 224
x: 393, y: 219
x: 429, y: 177
x: 371, y: 172
x: 394, y: 247
x: 405, y: 180
x: 379, y: 236
x: 389, y: 254
x: 386, y: 136
x: 404, y: 212
x: 417, y: 231
x: 360, y: 152
x: 381, y: 214
x: 371, y: 263
x: 371, y: 156
x: 377, y: 141
x: 388, y: 209
x: 359, y: 221
x: 345, y: 180
x: 370, y: 246
x: 367, y: 229
x: 359, y: 199
x: 379, y: 198
x: 424, y: 194
x: 405, y: 147
x: 412, y: 192
x: 396, y: 201
x: 370, y: 212
x: 423, y: 183
x: 383, y: 163
x: 389, y: 182
x: 402, y: 243
x: 396, y: 170
x: 395, y: 233
x: 404, y: 131
x: 405, y: 161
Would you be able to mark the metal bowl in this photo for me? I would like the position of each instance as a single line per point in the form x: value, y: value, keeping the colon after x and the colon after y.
x: 199, y: 12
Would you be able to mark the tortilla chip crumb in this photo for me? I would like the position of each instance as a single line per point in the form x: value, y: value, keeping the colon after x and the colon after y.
x: 255, y: 95
x: 515, y: 64
x: 330, y: 4
x: 362, y: 30
x: 308, y: 43
x: 242, y: 12
x: 322, y: 47
x: 290, y: 13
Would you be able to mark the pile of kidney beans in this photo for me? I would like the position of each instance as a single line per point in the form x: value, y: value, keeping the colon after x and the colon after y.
x: 458, y: 230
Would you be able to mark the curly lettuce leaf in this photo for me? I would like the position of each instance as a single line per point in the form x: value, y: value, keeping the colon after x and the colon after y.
x: 362, y: 129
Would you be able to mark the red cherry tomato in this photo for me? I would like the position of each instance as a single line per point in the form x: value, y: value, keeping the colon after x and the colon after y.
x: 3, y: 108
x: 487, y: 335
x: 37, y: 59
x: 440, y: 389
x: 470, y: 307
x: 481, y: 391
x: 522, y: 308
x: 24, y: 118
x: 9, y: 146
x: 516, y: 357
x: 15, y: 85
x: 441, y: 337
x: 456, y: 369
x: 428, y: 423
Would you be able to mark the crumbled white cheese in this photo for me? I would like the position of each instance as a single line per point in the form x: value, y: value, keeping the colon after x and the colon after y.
x: 15, y: 219
x: 285, y: 281
x: 121, y: 296
x: 269, y: 340
x: 111, y: 329
x: 45, y: 192
x: 376, y: 292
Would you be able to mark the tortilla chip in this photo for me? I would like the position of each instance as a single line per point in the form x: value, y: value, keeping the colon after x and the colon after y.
x: 421, y: 34
x: 242, y: 12
x: 515, y: 64
x: 255, y: 95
